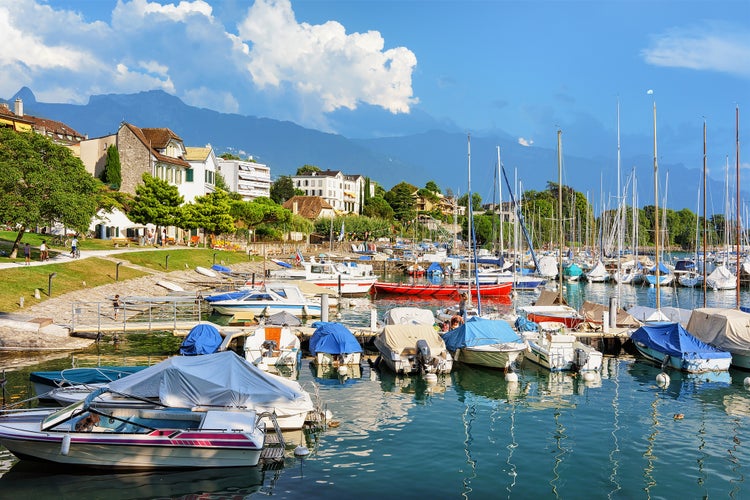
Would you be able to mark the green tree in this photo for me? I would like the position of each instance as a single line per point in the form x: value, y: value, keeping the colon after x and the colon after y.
x: 432, y: 186
x: 42, y: 183
x: 377, y: 207
x: 476, y: 201
x: 283, y: 189
x: 307, y: 169
x: 156, y: 202
x: 401, y: 200
x: 112, y: 175
x: 212, y: 213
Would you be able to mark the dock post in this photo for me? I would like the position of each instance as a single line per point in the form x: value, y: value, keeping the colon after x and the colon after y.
x: 373, y: 319
x: 324, y: 307
x: 613, y: 306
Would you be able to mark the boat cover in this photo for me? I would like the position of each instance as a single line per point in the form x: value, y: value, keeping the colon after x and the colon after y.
x: 400, y: 337
x: 651, y: 315
x: 573, y: 270
x: 720, y: 277
x: 219, y: 379
x: 598, y: 271
x: 592, y: 312
x: 674, y: 340
x: 204, y: 338
x: 480, y: 331
x: 434, y: 268
x: 221, y: 269
x: 409, y: 316
x: 727, y: 329
x: 548, y: 298
x: 283, y: 318
x: 226, y: 296
x: 333, y: 338
x: 662, y: 269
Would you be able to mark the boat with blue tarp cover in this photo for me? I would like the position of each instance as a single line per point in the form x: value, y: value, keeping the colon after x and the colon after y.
x: 669, y: 344
x: 486, y: 342
x: 334, y: 344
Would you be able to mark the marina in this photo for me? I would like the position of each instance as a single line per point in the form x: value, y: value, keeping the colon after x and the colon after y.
x: 473, y: 433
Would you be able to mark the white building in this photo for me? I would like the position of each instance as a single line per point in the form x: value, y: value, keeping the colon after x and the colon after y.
x: 342, y: 192
x: 251, y: 180
x: 201, y: 176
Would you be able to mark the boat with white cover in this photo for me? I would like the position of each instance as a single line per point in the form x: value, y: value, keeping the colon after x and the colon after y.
x: 413, y: 348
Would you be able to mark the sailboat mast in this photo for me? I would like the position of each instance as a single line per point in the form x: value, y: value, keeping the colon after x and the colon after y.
x: 620, y: 211
x: 705, y: 219
x: 656, y: 218
x: 472, y: 236
x: 559, y: 213
x: 737, y: 213
x: 500, y: 201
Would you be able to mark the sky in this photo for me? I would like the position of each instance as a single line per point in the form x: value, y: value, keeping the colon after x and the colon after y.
x: 363, y: 68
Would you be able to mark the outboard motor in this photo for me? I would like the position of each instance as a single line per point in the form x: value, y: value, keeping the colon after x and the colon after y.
x: 424, y: 356
x: 580, y: 358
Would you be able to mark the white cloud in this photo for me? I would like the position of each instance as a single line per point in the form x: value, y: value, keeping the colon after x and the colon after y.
x: 204, y: 97
x: 717, y: 49
x: 324, y: 62
x: 525, y: 142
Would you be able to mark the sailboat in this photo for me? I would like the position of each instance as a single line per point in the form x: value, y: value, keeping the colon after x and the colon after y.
x: 552, y: 346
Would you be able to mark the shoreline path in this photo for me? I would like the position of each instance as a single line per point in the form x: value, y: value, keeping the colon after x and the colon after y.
x: 19, y: 331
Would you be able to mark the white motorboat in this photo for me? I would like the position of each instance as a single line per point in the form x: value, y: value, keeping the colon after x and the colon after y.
x: 269, y: 299
x: 273, y: 346
x: 413, y: 348
x: 349, y: 278
x: 135, y: 438
x: 556, y: 349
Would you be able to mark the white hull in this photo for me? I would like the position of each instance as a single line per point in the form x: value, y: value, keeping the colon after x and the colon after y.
x: 407, y: 364
x: 284, y: 351
x: 562, y: 352
x: 165, y: 448
x: 325, y: 359
x: 685, y: 365
x: 267, y: 309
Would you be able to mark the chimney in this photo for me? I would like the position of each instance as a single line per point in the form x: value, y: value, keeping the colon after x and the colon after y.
x: 18, y: 109
x: 295, y: 207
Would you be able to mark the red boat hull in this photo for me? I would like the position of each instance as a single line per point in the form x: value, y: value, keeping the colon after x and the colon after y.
x: 431, y: 290
x: 568, y: 321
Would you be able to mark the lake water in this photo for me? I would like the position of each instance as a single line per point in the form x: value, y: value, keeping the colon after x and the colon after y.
x: 471, y: 435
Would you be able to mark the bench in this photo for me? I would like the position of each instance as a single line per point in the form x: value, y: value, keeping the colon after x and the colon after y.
x: 120, y: 241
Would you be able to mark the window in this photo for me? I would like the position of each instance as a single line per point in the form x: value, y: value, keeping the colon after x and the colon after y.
x: 189, y: 175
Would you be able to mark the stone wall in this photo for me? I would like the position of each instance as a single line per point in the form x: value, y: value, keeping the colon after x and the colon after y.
x: 135, y: 159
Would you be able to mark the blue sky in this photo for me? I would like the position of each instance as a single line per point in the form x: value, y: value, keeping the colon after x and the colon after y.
x: 520, y: 68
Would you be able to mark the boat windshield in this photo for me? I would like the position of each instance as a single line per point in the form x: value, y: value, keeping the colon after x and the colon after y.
x: 63, y: 414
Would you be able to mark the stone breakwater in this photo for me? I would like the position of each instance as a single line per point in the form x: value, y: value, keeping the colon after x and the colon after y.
x: 44, y: 326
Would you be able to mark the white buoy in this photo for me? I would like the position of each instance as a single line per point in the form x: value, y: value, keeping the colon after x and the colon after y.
x: 343, y: 370
x: 301, y: 451
x: 662, y: 379
x: 511, y: 377
x: 747, y: 382
x: 65, y: 446
x: 430, y: 378
x: 589, y: 376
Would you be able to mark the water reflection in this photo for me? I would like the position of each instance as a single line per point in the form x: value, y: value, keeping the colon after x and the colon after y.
x: 344, y: 375
x: 23, y: 481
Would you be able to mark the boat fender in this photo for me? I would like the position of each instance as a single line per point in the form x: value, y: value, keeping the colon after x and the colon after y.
x: 430, y: 378
x: 747, y: 382
x: 301, y: 451
x: 662, y: 379
x: 65, y: 446
x: 511, y: 377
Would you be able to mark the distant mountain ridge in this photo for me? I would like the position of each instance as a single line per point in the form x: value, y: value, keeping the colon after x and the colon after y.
x: 438, y: 155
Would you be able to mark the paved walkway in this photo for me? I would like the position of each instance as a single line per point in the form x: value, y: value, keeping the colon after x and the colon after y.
x: 61, y: 258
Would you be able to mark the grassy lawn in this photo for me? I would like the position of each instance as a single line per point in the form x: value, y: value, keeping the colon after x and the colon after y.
x: 77, y: 274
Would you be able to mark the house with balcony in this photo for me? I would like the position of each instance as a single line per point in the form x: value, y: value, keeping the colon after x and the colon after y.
x: 58, y: 132
x: 248, y: 178
x: 343, y: 192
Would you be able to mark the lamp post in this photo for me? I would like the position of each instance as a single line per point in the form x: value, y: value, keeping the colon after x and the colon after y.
x: 49, y: 284
x: 166, y: 262
x: 117, y: 271
x: 214, y: 259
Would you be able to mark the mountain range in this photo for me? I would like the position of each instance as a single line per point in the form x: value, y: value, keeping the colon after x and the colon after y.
x: 440, y: 155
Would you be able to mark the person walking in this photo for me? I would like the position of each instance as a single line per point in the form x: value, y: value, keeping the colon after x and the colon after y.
x: 27, y: 253
x: 74, y: 247
x: 462, y: 305
x: 43, y: 251
x: 116, y: 304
